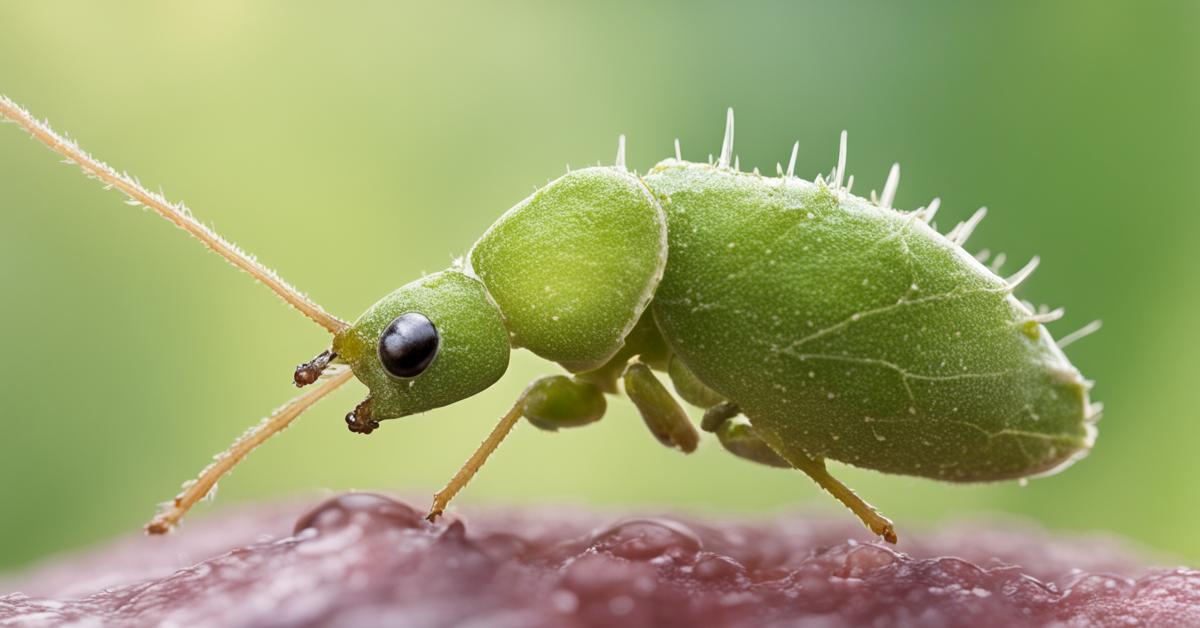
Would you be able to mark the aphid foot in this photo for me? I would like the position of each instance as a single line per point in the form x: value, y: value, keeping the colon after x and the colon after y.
x: 310, y: 371
x: 359, y: 419
x: 888, y: 532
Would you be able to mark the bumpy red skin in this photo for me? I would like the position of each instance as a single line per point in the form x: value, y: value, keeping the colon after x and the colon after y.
x: 368, y: 560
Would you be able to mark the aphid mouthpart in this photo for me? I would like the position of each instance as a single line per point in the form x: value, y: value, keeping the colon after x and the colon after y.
x: 311, y: 371
x: 359, y: 420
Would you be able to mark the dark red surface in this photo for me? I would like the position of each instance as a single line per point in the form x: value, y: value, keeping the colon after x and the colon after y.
x: 368, y: 560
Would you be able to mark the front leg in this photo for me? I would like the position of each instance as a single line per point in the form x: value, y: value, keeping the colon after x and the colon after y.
x: 549, y: 403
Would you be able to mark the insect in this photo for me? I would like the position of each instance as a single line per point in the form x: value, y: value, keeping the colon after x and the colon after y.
x: 806, y: 323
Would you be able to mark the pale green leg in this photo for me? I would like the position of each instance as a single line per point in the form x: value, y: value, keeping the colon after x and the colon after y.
x: 666, y: 420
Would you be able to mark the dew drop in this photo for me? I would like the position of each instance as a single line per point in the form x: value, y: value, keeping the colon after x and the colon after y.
x: 646, y: 539
x: 362, y: 509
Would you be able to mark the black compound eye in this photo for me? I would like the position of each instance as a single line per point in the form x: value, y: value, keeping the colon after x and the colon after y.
x: 408, y: 345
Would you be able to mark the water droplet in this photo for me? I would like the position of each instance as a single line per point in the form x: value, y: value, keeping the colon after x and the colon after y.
x: 865, y: 560
x: 714, y: 567
x: 644, y: 539
x: 362, y: 509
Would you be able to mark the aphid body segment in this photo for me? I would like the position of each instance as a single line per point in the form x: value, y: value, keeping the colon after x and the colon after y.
x: 806, y: 322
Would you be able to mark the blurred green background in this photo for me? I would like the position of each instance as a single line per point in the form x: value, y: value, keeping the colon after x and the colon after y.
x: 354, y: 145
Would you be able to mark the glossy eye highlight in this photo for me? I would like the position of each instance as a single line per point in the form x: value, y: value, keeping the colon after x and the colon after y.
x: 408, y: 345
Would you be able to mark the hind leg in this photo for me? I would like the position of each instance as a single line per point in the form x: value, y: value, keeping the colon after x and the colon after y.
x: 740, y: 438
x: 879, y: 524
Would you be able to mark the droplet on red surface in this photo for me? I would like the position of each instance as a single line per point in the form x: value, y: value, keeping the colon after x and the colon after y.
x: 363, y: 559
x: 362, y: 509
x: 648, y: 539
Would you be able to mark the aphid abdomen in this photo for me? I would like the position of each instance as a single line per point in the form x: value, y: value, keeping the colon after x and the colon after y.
x: 855, y: 332
x: 573, y: 267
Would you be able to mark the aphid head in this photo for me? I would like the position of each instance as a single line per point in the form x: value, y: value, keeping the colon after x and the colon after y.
x: 428, y: 344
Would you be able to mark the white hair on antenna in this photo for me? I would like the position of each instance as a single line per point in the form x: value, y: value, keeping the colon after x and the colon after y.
x: 177, y: 213
x: 1023, y: 274
x: 678, y: 152
x: 727, y: 144
x: 983, y: 255
x: 621, y: 151
x: 998, y: 262
x: 1082, y: 332
x: 791, y: 169
x: 850, y: 184
x: 889, y: 187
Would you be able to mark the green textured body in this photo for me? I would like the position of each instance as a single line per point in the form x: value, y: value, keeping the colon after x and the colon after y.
x: 840, y: 329
x: 854, y: 332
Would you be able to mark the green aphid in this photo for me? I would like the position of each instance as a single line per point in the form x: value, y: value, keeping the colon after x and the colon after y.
x: 805, y: 322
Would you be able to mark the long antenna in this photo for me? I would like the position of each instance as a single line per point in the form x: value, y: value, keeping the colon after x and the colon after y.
x: 171, y: 512
x: 177, y: 213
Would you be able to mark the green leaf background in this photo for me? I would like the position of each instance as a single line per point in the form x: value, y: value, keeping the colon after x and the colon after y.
x: 354, y: 145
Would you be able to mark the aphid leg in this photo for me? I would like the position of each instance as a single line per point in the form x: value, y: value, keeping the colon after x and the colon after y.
x: 815, y: 468
x: 171, y: 512
x: 558, y: 401
x: 442, y: 498
x: 666, y: 420
x: 739, y: 438
x: 717, y: 415
x: 879, y: 524
x: 549, y: 403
